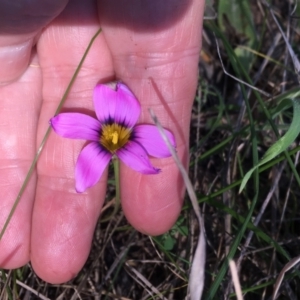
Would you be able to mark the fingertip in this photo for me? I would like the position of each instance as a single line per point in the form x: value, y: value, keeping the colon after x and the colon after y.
x: 62, y: 227
x: 15, y: 242
x: 154, y: 223
x: 60, y: 242
x: 54, y: 271
x: 153, y: 204
x: 14, y: 248
x: 14, y: 60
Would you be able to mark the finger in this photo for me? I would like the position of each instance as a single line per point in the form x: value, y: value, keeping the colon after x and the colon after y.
x: 20, y: 22
x: 155, y: 47
x: 19, y: 110
x: 64, y: 221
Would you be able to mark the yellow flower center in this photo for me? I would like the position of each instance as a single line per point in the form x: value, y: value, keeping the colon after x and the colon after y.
x: 114, y: 137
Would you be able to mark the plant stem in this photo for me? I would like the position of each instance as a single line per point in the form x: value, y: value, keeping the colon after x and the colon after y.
x: 116, y: 164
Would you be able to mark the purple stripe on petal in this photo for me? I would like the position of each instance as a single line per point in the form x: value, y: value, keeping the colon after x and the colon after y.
x: 128, y: 108
x: 90, y: 165
x: 76, y: 126
x: 116, y: 105
x: 149, y: 137
x: 105, y: 101
x: 135, y: 157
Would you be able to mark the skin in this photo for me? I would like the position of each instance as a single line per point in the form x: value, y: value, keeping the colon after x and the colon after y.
x: 154, y: 48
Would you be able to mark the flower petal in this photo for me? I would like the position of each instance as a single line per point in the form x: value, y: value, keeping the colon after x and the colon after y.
x: 76, y: 126
x: 105, y: 99
x: 90, y: 165
x: 149, y: 137
x: 135, y: 157
x: 119, y: 105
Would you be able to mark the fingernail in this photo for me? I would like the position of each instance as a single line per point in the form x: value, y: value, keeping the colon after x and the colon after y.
x: 14, y: 60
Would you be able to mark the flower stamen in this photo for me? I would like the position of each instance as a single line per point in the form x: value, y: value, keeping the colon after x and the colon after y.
x: 114, y: 136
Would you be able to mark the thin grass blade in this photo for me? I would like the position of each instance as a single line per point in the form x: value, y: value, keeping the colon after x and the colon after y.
x: 286, y: 268
x: 282, y: 144
x: 45, y: 138
x: 196, y: 280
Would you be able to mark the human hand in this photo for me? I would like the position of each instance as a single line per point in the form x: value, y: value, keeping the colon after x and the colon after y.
x: 152, y: 46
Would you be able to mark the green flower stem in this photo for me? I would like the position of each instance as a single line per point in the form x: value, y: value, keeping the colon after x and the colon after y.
x: 116, y: 164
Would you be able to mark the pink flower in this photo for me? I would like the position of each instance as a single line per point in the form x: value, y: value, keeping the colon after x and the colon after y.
x: 114, y: 133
